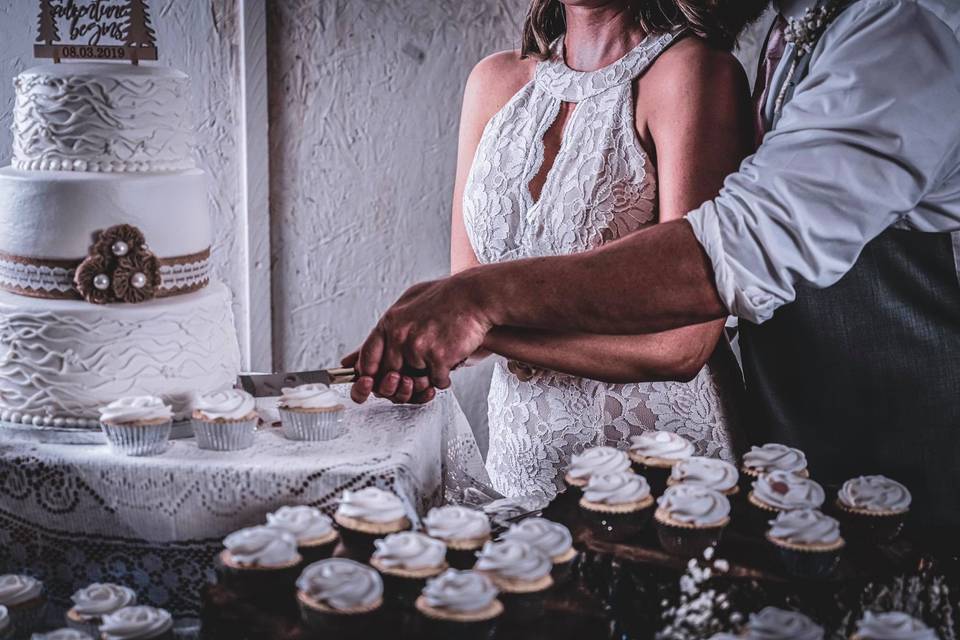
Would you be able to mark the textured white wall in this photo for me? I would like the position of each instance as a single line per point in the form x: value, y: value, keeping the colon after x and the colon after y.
x: 364, y: 109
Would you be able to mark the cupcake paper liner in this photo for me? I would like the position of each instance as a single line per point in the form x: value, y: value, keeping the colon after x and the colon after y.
x: 316, y: 426
x: 869, y: 528
x: 616, y: 527
x: 138, y: 439
x: 434, y: 624
x: 90, y: 627
x: 813, y: 564
x: 27, y: 617
x: 272, y: 584
x: 687, y: 541
x: 334, y: 624
x: 231, y: 435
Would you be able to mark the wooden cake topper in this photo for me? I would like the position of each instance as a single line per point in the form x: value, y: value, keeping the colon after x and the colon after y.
x: 95, y: 30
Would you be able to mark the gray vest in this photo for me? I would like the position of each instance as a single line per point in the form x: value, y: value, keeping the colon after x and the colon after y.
x: 864, y: 376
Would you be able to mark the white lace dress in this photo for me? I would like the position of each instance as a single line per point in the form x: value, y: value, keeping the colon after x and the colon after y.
x: 601, y: 186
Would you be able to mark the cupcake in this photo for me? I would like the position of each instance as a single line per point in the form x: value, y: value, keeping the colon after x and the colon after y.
x: 259, y: 560
x: 893, y: 625
x: 314, y: 532
x: 654, y: 453
x: 873, y: 508
x: 93, y: 602
x: 406, y: 560
x: 776, y: 624
x: 779, y: 491
x: 137, y: 623
x: 808, y: 542
x: 368, y: 514
x: 522, y: 574
x: 25, y: 602
x: 340, y: 598
x: 771, y: 457
x: 690, y: 519
x: 463, y: 530
x: 617, y: 506
x: 593, y: 460
x: 552, y: 538
x: 711, y: 473
x: 458, y: 604
x: 224, y: 420
x: 65, y: 633
x: 311, y: 412
x: 138, y: 425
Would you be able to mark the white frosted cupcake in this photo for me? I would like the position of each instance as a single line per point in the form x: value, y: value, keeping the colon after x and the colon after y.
x: 771, y: 457
x: 892, y: 625
x: 772, y: 623
x: 259, y: 560
x: 779, y: 491
x: 711, y: 473
x: 368, y: 514
x: 690, y: 518
x: 873, y: 508
x: 808, y: 541
x: 617, y: 506
x: 316, y: 537
x: 654, y: 454
x: 137, y: 623
x: 462, y: 529
x: 66, y: 633
x: 138, y: 425
x: 522, y: 574
x: 550, y: 537
x: 459, y: 604
x: 25, y: 601
x: 594, y: 460
x: 94, y: 601
x: 311, y: 412
x: 406, y: 560
x: 224, y: 420
x: 340, y: 598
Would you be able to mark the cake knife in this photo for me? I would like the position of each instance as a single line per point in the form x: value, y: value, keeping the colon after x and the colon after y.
x: 262, y: 385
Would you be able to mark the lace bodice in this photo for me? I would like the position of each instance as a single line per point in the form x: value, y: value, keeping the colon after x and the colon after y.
x: 601, y: 186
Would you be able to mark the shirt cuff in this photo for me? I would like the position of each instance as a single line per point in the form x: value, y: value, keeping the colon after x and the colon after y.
x: 741, y: 297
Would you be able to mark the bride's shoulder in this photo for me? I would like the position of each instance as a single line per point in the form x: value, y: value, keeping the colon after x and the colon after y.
x: 501, y: 75
x: 694, y: 64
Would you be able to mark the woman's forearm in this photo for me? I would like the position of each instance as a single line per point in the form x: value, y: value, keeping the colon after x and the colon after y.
x: 670, y: 355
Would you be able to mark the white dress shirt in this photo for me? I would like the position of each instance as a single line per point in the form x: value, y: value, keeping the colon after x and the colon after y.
x: 870, y: 140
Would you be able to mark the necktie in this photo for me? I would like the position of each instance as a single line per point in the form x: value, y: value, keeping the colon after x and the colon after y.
x: 772, y: 54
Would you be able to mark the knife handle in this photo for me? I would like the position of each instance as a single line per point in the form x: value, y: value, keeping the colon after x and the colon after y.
x: 342, y: 376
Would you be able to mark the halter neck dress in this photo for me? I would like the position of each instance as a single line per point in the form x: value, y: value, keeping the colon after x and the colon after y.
x: 600, y: 187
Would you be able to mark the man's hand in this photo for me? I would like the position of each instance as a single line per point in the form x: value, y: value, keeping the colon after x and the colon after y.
x: 432, y: 327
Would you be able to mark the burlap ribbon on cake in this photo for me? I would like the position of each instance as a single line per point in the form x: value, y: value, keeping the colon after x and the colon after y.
x: 119, y: 268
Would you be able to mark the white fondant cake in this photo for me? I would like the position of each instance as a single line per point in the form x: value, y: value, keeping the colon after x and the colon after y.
x: 96, y: 116
x: 55, y: 214
x: 60, y: 360
x: 105, y: 288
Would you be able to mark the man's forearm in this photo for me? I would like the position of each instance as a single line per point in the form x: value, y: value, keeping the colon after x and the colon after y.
x: 652, y: 280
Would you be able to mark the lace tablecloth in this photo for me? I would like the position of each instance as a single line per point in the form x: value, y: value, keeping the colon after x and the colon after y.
x: 73, y: 514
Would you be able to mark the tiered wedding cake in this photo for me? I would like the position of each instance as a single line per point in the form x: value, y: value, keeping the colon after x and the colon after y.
x: 104, y: 248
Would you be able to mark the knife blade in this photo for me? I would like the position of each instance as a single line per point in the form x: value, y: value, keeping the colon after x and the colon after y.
x: 262, y: 385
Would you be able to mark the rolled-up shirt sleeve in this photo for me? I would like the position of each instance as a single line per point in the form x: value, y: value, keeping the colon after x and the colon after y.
x: 871, y: 129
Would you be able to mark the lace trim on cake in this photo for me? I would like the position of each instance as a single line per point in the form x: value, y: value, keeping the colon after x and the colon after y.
x: 44, y: 278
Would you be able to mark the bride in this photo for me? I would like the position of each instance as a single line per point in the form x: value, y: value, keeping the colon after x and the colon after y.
x: 615, y: 115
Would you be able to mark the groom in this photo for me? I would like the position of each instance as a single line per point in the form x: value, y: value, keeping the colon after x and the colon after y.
x: 836, y: 244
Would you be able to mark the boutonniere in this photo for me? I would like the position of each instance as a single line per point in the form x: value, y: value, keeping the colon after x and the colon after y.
x: 804, y: 32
